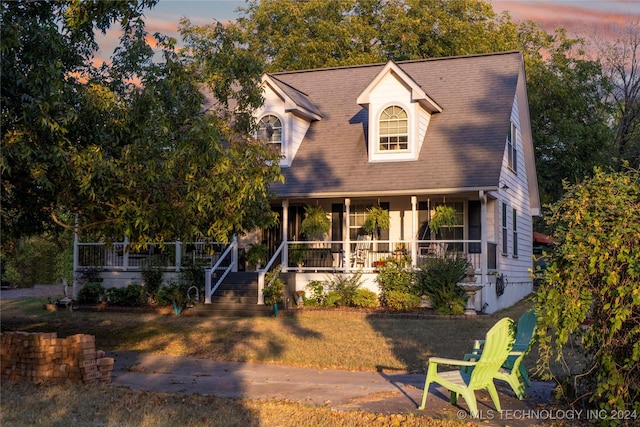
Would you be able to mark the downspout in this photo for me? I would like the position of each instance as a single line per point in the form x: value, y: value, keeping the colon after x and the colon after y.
x: 414, y: 231
x: 484, y: 252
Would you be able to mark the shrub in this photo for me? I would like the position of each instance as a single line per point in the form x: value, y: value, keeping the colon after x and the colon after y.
x: 171, y: 292
x: 152, y: 273
x: 273, y: 287
x: 318, y: 295
x: 130, y: 296
x: 365, y: 298
x: 438, y: 279
x: 593, y: 276
x: 345, y: 286
x: 398, y: 300
x: 332, y: 299
x: 90, y: 293
x: 394, y: 276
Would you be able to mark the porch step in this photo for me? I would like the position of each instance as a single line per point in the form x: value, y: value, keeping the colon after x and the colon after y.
x: 235, y: 297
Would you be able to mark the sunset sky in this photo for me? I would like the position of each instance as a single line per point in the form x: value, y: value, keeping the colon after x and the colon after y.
x: 587, y: 18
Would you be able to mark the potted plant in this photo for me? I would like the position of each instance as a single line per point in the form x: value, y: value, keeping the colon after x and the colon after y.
x: 315, y: 223
x: 377, y: 219
x: 257, y: 255
x: 444, y: 216
x: 297, y: 254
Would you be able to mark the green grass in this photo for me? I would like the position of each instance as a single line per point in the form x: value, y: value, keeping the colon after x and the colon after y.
x: 319, y: 339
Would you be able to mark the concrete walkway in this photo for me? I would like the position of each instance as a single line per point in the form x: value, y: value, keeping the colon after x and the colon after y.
x: 341, y: 390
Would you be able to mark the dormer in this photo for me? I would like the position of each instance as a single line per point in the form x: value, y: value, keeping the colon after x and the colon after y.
x: 399, y: 114
x: 285, y: 117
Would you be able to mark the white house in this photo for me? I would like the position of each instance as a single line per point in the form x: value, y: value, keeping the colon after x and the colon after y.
x: 405, y: 136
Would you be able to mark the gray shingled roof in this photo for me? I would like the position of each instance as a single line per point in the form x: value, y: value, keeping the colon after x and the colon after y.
x: 463, y: 147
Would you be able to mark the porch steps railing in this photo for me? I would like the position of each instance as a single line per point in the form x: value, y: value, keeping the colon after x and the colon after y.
x: 235, y: 297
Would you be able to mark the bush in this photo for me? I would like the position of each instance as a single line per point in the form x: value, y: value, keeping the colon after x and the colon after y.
x: 90, y: 293
x: 273, y: 287
x: 394, y: 276
x: 152, y: 274
x: 398, y: 300
x: 365, y: 298
x: 345, y: 286
x: 318, y: 295
x: 130, y: 296
x: 593, y: 277
x: 438, y: 280
x: 171, y: 292
x: 333, y: 298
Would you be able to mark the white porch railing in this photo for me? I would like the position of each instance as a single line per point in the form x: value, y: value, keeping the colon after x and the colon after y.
x: 117, y: 255
x: 365, y: 254
x: 263, y: 272
x: 227, y: 262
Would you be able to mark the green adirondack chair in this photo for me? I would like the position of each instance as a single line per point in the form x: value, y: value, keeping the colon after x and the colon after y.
x: 513, y: 370
x: 497, y: 345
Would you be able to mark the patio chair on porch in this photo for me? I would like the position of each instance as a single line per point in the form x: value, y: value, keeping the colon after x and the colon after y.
x: 513, y: 370
x: 359, y: 255
x: 498, y: 343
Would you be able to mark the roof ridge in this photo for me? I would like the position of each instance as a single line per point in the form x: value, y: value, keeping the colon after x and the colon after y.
x: 407, y: 61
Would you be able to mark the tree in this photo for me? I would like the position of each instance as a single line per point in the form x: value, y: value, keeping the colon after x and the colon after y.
x: 593, y: 280
x: 621, y: 63
x: 569, y: 112
x: 128, y: 148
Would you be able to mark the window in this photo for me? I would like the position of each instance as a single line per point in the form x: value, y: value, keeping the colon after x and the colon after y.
x: 270, y: 131
x: 515, y: 233
x: 512, y: 148
x: 394, y: 129
x: 505, y: 237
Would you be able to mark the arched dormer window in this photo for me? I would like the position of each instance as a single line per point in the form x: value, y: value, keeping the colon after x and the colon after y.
x: 394, y: 129
x: 270, y: 131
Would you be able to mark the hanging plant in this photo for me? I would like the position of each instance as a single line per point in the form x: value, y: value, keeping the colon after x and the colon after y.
x: 377, y: 219
x: 316, y: 223
x: 444, y: 216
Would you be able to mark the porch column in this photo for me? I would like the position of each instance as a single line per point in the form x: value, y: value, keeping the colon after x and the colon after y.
x: 347, y: 236
x: 414, y: 231
x: 285, y: 233
x: 484, y: 251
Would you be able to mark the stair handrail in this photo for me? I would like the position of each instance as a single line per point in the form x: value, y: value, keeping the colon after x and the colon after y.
x: 262, y: 272
x: 232, y: 251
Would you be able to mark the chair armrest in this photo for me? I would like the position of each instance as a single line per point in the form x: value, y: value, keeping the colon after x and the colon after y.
x: 471, y: 357
x: 452, y: 362
x: 477, y: 345
x: 516, y: 353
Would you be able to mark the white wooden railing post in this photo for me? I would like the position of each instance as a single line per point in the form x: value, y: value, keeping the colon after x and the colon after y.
x: 261, y: 274
x: 285, y: 231
x: 234, y: 254
x: 76, y: 259
x: 347, y: 237
x: 178, y: 256
x: 414, y: 231
x: 125, y: 253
